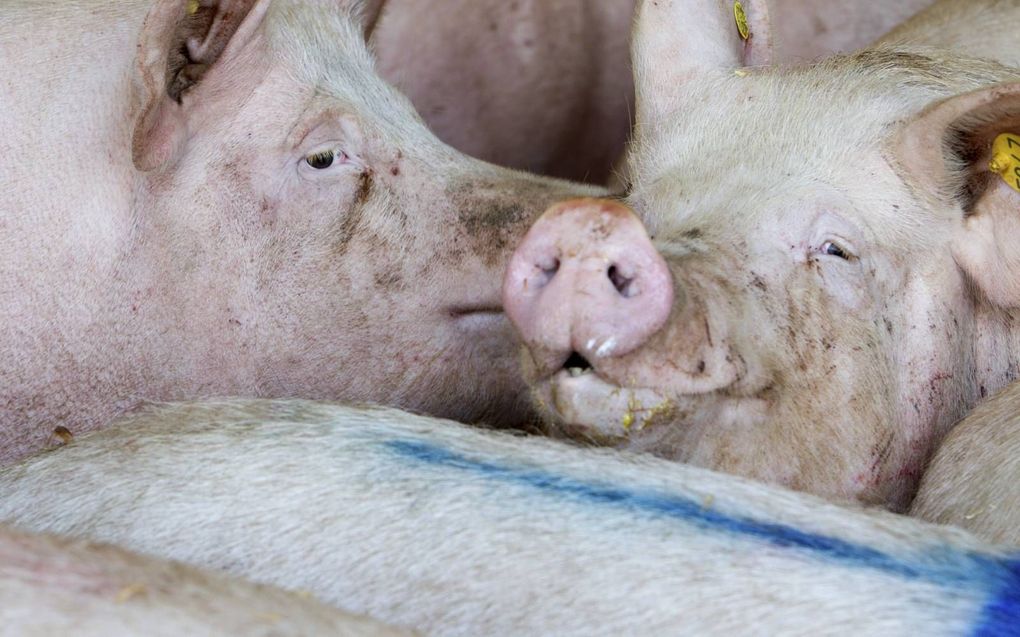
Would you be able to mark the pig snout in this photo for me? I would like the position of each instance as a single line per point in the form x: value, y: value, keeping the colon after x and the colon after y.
x: 587, y: 279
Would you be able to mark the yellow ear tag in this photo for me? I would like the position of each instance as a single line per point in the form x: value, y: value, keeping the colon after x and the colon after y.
x: 1006, y: 159
x: 192, y: 7
x: 741, y: 18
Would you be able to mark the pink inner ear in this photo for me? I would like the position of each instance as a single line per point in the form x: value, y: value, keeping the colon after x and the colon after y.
x: 209, y: 44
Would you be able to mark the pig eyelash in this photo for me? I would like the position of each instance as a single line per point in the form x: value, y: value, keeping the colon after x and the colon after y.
x: 325, y: 159
x: 834, y: 249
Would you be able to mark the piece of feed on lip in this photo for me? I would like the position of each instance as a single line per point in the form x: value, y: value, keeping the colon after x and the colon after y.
x: 629, y: 416
x: 627, y: 421
x: 663, y: 410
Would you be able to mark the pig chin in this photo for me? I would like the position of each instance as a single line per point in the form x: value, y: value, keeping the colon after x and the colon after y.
x: 582, y: 404
x: 640, y: 402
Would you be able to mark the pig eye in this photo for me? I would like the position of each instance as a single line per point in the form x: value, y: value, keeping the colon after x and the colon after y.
x: 324, y: 159
x: 832, y: 248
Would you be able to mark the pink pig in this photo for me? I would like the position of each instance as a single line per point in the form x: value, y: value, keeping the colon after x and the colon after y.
x: 825, y: 278
x: 231, y: 201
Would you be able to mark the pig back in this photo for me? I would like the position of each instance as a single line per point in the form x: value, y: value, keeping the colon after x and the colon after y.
x: 452, y: 530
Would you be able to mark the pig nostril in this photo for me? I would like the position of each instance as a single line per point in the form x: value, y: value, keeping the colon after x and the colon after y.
x: 546, y: 271
x: 550, y: 267
x: 623, y: 284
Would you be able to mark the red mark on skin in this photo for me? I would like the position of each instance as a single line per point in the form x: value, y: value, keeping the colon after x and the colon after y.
x: 910, y: 471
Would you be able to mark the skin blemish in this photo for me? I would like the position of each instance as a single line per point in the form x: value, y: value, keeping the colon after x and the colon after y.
x: 344, y: 231
x: 63, y: 434
x: 364, y: 188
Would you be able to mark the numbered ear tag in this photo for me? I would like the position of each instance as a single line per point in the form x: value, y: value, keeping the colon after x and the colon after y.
x: 741, y: 18
x: 1006, y: 159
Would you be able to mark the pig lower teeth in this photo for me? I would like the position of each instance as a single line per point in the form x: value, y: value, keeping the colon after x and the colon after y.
x: 575, y: 372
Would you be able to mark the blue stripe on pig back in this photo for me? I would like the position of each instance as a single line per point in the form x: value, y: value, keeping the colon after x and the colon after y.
x: 1001, y: 616
x: 944, y: 566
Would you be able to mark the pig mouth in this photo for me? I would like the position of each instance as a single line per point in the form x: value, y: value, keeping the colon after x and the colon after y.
x: 459, y: 311
x: 585, y: 404
x: 478, y: 318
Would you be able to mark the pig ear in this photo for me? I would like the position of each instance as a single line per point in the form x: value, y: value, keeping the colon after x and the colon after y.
x: 369, y: 12
x: 180, y: 41
x: 678, y: 40
x: 955, y: 154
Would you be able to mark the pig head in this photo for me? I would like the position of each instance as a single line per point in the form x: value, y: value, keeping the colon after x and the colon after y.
x: 270, y: 219
x: 825, y: 278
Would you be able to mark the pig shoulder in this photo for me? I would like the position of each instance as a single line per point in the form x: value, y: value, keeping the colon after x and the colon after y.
x: 972, y: 480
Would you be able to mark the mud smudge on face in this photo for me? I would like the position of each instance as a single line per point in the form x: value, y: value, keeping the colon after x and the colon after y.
x: 388, y: 280
x: 343, y: 232
x: 493, y: 218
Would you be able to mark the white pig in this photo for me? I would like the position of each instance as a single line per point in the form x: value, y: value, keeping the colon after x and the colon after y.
x: 454, y: 530
x: 224, y: 198
x: 547, y: 86
x: 823, y: 284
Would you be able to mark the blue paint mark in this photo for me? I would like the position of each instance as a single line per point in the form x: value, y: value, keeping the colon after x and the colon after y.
x: 946, y: 566
x: 1001, y: 616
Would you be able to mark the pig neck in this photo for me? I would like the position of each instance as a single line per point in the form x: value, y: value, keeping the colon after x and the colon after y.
x: 83, y: 350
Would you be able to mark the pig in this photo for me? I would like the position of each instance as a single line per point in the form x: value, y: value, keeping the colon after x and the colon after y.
x: 972, y: 481
x: 54, y: 586
x: 540, y: 86
x: 546, y: 86
x: 241, y: 207
x: 974, y: 28
x: 807, y: 283
x: 456, y: 530
x: 807, y: 30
